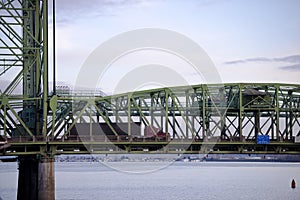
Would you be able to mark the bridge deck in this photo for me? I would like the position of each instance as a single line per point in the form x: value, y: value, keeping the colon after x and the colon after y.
x: 124, y: 146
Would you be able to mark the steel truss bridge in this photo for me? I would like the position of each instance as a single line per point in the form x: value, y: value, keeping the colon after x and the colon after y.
x: 36, y: 124
x: 218, y: 118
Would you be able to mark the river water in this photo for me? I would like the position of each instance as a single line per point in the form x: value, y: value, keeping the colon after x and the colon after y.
x: 178, y: 181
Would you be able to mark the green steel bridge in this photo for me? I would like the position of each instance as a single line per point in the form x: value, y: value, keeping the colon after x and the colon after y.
x: 220, y: 118
x: 36, y: 124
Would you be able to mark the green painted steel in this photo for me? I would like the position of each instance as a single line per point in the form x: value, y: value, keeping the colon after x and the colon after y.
x: 192, y: 115
x: 24, y: 48
x: 218, y: 118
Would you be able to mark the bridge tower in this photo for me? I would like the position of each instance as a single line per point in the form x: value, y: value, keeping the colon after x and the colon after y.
x: 24, y: 51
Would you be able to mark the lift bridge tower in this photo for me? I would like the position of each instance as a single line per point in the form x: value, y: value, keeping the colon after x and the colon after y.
x: 24, y: 51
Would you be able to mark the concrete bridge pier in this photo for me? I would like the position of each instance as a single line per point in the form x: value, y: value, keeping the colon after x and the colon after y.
x: 36, y: 178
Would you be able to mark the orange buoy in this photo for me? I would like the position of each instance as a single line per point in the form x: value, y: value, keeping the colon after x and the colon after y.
x: 293, y: 185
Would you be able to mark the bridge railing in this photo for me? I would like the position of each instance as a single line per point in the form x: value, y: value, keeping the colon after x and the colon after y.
x: 140, y: 139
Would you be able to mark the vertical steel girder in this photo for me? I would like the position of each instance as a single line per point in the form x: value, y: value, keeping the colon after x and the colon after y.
x: 24, y: 51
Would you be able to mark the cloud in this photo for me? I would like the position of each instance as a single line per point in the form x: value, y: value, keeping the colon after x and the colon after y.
x: 287, y: 59
x: 293, y: 68
x: 258, y: 59
x: 68, y: 11
x: 292, y: 59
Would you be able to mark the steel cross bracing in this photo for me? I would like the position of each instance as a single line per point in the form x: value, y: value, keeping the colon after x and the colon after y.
x: 220, y: 118
x: 24, y: 54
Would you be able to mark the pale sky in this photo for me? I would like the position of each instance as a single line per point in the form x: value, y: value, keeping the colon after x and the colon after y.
x: 248, y: 41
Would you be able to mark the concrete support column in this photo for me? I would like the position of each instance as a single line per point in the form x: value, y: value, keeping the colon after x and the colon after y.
x: 46, y: 185
x: 36, y: 178
x: 27, y: 183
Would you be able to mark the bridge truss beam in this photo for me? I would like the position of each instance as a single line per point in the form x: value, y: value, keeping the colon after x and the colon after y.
x: 229, y: 115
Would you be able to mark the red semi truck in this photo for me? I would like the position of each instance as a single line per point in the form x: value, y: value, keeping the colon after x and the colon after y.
x: 153, y: 132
